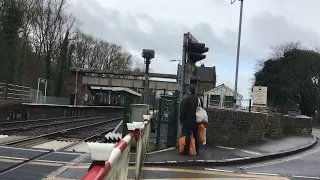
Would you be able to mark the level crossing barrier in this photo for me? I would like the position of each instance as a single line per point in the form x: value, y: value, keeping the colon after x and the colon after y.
x: 116, y: 156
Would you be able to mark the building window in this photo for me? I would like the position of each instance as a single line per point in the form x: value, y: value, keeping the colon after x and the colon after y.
x: 214, y: 100
x: 228, y: 101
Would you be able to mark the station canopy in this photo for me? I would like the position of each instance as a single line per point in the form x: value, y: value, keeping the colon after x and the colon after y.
x: 116, y: 89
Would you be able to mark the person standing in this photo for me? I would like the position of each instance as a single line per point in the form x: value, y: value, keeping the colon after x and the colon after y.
x: 188, y: 119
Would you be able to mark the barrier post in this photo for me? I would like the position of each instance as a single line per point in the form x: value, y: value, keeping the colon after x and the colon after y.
x: 114, y: 158
x: 142, y: 145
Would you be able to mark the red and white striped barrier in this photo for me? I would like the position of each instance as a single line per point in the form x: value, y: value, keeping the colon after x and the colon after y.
x: 117, y: 156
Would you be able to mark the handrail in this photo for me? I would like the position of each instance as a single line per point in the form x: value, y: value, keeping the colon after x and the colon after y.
x: 116, y: 156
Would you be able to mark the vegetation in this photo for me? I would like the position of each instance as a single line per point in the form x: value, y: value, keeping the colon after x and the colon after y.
x: 292, y: 77
x: 40, y: 38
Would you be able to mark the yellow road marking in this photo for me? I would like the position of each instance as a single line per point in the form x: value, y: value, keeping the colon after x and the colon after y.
x: 205, y: 179
x: 208, y: 172
x: 56, y: 178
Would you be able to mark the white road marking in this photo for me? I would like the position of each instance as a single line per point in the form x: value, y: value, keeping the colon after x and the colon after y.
x: 223, y: 147
x: 306, y: 177
x: 280, y: 161
x: 233, y: 159
x: 220, y: 170
x: 267, y: 174
x: 251, y: 152
x: 168, y: 149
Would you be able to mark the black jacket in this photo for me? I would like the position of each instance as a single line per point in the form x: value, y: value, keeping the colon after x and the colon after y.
x: 188, y: 110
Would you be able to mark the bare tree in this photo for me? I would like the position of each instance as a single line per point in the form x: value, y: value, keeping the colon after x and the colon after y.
x: 49, y: 24
x: 93, y: 53
x: 279, y: 50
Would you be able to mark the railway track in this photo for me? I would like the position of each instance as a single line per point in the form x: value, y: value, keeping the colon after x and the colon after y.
x: 20, y: 126
x: 111, y: 123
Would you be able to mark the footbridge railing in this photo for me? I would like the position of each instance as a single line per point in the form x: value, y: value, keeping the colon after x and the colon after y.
x: 113, y: 159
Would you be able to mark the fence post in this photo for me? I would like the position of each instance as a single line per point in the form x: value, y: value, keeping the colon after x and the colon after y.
x: 14, y: 92
x: 208, y: 101
x: 5, y: 91
x: 160, y: 114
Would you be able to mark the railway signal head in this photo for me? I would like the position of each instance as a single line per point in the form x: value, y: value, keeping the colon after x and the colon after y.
x: 196, y: 50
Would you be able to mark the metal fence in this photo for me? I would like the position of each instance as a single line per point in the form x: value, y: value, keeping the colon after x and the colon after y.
x: 14, y: 92
x: 47, y: 99
x: 24, y: 93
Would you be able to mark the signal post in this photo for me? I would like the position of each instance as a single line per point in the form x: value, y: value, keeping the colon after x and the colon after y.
x: 192, y: 52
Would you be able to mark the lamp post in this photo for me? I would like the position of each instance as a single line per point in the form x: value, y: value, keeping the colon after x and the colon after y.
x: 238, y: 54
x: 147, y: 54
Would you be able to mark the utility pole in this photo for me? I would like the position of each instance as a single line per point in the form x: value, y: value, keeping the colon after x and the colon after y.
x: 76, y: 89
x: 238, y: 54
x: 147, y: 54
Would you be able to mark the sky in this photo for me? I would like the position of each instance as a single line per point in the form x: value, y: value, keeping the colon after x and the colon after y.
x: 159, y: 25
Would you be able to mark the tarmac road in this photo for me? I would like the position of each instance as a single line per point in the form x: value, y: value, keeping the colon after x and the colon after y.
x: 305, y: 165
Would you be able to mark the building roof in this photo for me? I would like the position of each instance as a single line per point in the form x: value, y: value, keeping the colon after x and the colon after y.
x: 222, y: 86
x: 115, y: 89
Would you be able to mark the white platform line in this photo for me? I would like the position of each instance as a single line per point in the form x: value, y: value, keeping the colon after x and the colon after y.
x: 38, y: 150
x: 267, y: 174
x: 70, y: 153
x: 220, y: 170
x: 223, y: 147
x: 251, y: 152
x: 14, y: 158
x: 115, y: 129
x: 306, y: 177
x: 48, y: 161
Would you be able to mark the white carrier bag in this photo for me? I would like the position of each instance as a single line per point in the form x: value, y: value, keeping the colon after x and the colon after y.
x: 201, y: 114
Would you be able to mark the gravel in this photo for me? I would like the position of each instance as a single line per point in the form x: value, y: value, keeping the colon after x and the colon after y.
x: 90, y: 131
x: 59, y: 127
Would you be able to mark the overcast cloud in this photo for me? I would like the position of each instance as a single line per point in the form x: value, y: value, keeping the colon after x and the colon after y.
x: 159, y: 25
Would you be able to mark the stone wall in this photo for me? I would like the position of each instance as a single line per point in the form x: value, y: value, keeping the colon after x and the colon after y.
x: 300, y: 126
x: 229, y: 127
x: 274, y: 126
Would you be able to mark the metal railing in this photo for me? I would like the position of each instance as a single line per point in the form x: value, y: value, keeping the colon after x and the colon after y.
x: 47, y: 99
x: 115, y: 157
x: 14, y: 92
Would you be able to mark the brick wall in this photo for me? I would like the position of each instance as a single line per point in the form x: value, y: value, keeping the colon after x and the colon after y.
x: 229, y: 127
